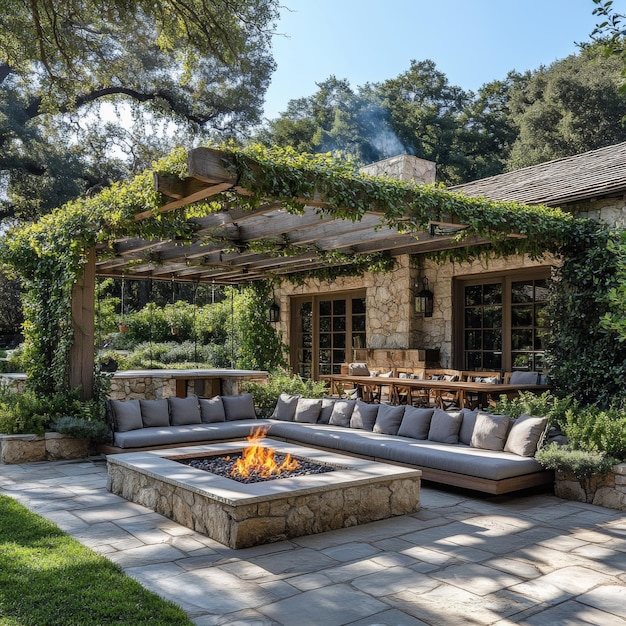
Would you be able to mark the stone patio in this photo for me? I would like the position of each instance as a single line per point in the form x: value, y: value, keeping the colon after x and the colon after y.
x: 460, y: 560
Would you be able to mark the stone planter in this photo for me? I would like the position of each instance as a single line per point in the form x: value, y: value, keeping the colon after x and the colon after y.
x: 608, y: 490
x: 51, y: 447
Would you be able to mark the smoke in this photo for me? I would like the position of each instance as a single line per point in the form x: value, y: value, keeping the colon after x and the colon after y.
x: 377, y: 130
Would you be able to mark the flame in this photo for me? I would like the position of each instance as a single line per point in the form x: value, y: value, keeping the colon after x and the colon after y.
x: 259, y: 460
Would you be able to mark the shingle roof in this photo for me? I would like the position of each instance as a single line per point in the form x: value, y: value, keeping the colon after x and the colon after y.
x: 588, y: 175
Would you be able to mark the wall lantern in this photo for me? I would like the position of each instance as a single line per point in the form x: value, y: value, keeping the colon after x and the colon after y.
x: 273, y: 313
x: 424, y: 300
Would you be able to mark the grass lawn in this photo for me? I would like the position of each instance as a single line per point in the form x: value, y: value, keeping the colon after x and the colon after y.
x: 48, y: 578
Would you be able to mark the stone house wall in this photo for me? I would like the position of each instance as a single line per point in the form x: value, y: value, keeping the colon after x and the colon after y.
x: 395, y: 333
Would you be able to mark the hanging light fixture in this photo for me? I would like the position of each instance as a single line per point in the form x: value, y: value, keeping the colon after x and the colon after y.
x: 273, y: 312
x: 424, y: 300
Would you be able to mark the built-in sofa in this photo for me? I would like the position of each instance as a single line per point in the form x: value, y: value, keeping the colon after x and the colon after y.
x: 470, y: 449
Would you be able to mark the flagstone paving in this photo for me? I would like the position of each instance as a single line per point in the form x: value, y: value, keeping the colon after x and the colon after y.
x: 462, y: 559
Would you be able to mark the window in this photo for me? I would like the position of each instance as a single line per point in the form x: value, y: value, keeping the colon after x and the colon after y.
x: 325, y: 330
x: 501, y: 321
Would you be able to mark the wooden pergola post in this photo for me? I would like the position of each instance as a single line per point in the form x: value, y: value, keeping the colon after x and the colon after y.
x: 82, y: 357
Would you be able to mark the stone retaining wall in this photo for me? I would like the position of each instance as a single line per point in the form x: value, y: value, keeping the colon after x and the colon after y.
x: 608, y: 490
x: 51, y: 447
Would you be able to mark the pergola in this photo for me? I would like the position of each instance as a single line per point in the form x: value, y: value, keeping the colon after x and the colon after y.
x: 224, y: 247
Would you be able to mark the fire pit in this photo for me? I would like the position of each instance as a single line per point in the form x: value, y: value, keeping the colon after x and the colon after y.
x: 255, y: 463
x: 240, y: 515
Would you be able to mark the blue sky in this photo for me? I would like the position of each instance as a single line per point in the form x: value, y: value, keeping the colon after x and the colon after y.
x: 471, y: 41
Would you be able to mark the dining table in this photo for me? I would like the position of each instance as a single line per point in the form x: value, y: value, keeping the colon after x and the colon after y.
x: 468, y: 394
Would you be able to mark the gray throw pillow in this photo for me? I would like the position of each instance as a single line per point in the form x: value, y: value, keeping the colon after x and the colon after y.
x: 467, y: 426
x: 155, y: 412
x: 444, y: 426
x: 490, y: 431
x: 240, y: 407
x: 327, y: 410
x: 308, y: 410
x: 212, y: 410
x: 415, y: 422
x: 126, y: 415
x: 525, y: 435
x: 364, y: 415
x: 388, y: 419
x: 342, y: 412
x: 285, y: 409
x: 184, y: 411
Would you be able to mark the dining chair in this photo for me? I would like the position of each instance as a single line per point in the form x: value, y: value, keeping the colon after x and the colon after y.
x: 444, y: 399
x: 472, y: 399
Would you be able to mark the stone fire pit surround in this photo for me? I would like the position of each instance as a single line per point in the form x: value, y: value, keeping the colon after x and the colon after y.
x: 242, y: 515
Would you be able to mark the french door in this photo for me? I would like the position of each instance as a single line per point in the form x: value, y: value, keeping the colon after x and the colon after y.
x: 501, y: 321
x: 326, y: 328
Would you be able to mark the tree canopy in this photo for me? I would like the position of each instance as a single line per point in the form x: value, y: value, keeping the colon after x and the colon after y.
x: 205, y: 65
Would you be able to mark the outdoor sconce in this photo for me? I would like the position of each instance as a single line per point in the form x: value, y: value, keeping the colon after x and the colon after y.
x: 424, y: 300
x: 273, y: 313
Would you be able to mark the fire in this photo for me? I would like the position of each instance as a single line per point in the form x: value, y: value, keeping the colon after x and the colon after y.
x: 259, y: 460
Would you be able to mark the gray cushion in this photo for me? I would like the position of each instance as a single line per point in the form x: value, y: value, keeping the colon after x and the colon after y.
x: 524, y: 378
x: 388, y: 419
x: 342, y: 411
x: 155, y: 412
x: 212, y: 410
x: 184, y: 411
x: 308, y: 410
x: 191, y: 433
x: 358, y: 369
x: 525, y: 435
x: 285, y: 409
x: 467, y: 426
x: 327, y: 410
x: 490, y: 431
x: 444, y: 426
x: 363, y: 415
x: 415, y: 422
x: 240, y: 407
x: 126, y: 415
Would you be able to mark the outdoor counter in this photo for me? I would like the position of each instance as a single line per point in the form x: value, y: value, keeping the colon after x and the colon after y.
x: 161, y: 383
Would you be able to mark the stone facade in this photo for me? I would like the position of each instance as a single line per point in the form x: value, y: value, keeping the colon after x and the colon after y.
x: 611, y: 211
x: 608, y: 490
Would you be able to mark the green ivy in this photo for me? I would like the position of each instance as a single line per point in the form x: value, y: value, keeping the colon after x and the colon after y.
x: 586, y: 357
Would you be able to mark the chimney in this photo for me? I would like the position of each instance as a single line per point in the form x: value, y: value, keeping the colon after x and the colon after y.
x: 404, y: 167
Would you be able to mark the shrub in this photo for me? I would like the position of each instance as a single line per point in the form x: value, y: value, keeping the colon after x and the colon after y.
x: 81, y: 428
x: 266, y: 393
x: 171, y: 354
x: 544, y: 405
x: 581, y: 463
x: 597, y: 430
x: 30, y: 412
x: 14, y: 361
x: 588, y: 428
